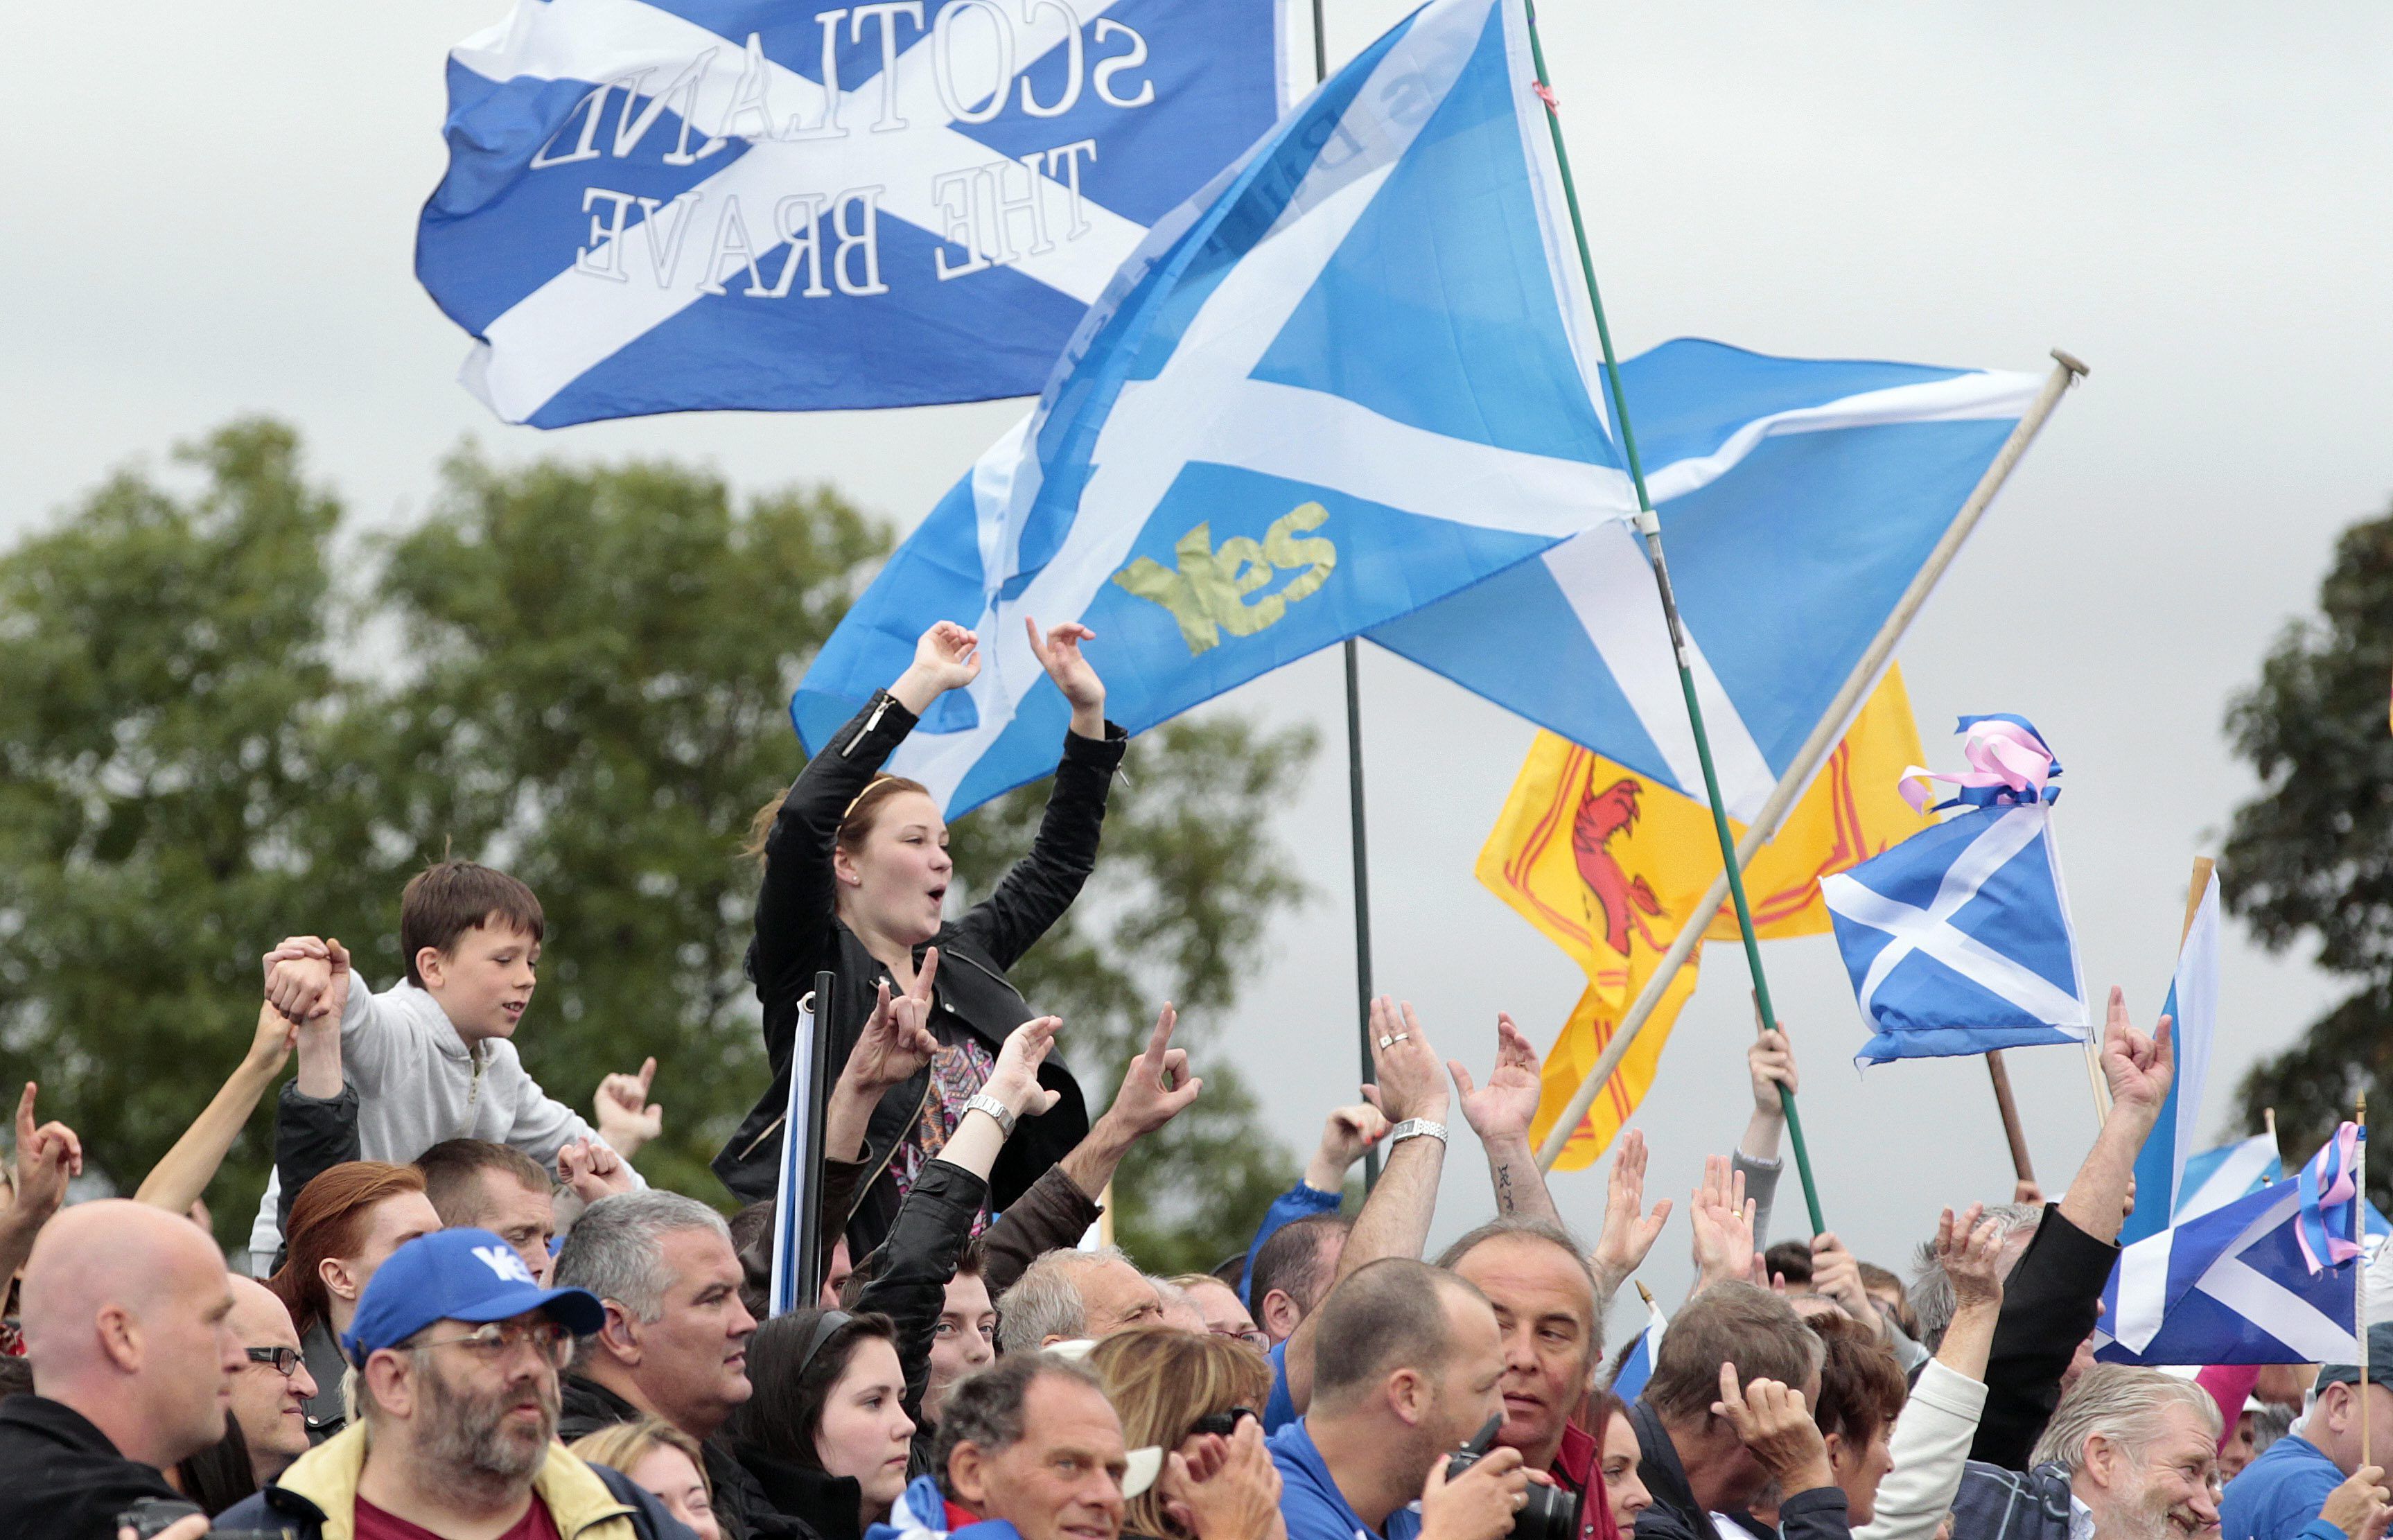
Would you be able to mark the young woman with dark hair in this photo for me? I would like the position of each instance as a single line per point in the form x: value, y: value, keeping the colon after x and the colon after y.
x: 855, y: 876
x: 826, y: 1433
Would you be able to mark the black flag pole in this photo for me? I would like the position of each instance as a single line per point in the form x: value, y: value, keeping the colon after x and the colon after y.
x: 1354, y: 775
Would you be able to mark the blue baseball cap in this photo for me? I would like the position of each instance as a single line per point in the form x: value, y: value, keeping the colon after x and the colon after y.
x: 458, y: 1275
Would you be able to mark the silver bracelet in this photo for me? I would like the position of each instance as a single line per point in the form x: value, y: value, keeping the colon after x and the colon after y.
x: 1004, y: 1115
x: 1415, y: 1127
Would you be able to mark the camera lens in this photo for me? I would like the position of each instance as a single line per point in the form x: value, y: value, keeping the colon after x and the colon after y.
x: 1550, y: 1513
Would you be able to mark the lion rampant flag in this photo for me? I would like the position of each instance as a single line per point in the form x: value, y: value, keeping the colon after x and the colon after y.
x: 1608, y: 864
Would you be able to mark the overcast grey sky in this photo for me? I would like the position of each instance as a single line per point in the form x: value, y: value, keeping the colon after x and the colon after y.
x: 213, y: 213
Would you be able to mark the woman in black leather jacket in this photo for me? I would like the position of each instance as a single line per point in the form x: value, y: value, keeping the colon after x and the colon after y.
x: 855, y: 871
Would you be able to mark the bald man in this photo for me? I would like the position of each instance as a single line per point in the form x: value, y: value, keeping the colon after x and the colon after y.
x: 270, y: 1400
x: 128, y: 1318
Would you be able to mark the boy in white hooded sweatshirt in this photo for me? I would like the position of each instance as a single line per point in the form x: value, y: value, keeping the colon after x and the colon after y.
x: 431, y: 1057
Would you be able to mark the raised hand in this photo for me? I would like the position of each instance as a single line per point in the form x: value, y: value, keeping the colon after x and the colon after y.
x: 1059, y: 653
x: 2358, y: 1506
x: 1769, y: 1064
x: 1629, y: 1232
x: 1014, y: 1081
x: 1349, y: 1132
x: 896, y: 1040
x: 625, y: 1116
x: 47, y: 1157
x: 1504, y: 1107
x: 1722, y: 1217
x: 946, y: 657
x: 1970, y: 1252
x: 1775, y: 1427
x: 1157, y: 1087
x: 306, y: 978
x: 1224, y: 1489
x: 592, y: 1171
x: 1837, y: 1272
x: 1408, y: 1081
x: 2139, y: 1070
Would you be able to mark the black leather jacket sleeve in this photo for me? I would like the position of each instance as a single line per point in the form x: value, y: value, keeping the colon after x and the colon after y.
x: 311, y: 1136
x: 2050, y: 1302
x: 1035, y: 892
x: 923, y: 1243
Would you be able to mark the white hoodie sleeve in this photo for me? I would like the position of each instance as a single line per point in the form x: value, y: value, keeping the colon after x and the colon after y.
x: 374, y: 1037
x: 542, y: 1125
x: 1930, y: 1446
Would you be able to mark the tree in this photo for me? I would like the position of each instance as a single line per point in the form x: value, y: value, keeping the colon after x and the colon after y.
x: 578, y: 674
x: 2312, y: 855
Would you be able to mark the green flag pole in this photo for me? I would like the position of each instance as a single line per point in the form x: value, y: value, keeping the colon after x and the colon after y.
x: 1650, y: 527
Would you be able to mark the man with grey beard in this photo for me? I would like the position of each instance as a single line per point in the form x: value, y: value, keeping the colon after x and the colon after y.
x: 453, y: 1357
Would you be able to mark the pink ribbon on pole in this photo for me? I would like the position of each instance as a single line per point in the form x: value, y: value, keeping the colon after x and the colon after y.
x: 2010, y: 764
x: 2332, y: 1220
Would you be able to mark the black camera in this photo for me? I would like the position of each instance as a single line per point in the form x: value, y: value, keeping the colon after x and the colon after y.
x: 1550, y: 1513
x: 148, y: 1516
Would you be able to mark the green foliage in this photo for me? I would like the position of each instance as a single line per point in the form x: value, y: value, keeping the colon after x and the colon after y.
x: 2312, y: 855
x: 577, y: 673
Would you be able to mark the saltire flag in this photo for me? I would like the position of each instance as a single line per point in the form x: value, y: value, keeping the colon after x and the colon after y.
x: 1629, y: 1380
x: 1959, y: 939
x: 2266, y: 1279
x: 1354, y: 376
x: 2193, y: 1010
x: 660, y: 206
x: 2217, y: 1178
x: 1608, y: 864
x: 1797, y: 498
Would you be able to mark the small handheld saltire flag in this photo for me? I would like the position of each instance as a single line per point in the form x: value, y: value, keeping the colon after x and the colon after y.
x: 2193, y: 1010
x: 656, y: 205
x: 1959, y: 939
x: 1350, y: 377
x: 1608, y: 863
x: 2217, y: 1178
x: 1798, y: 497
x: 2254, y: 1282
x: 1629, y: 1380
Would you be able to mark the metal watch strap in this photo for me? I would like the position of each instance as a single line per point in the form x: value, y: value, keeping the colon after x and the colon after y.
x: 1415, y: 1127
x: 995, y: 1108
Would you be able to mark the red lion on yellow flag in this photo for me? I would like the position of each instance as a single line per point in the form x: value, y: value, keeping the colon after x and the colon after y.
x: 1608, y: 864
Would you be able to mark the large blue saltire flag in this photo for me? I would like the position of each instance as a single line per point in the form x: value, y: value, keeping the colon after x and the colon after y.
x: 2217, y: 1178
x: 1354, y: 376
x: 2245, y: 1284
x: 660, y: 206
x: 1797, y: 498
x: 2193, y: 1010
x: 1959, y: 939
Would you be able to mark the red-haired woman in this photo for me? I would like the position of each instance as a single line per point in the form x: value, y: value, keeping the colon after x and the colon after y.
x: 344, y: 1224
x: 855, y: 877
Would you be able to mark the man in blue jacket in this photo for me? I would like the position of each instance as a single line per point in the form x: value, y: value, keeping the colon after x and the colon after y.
x: 2290, y: 1489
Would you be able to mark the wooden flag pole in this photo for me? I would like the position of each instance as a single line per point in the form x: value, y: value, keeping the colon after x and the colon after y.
x: 2203, y: 866
x: 1824, y: 734
x: 2009, y: 1108
x: 2269, y: 1121
x: 2359, y: 1277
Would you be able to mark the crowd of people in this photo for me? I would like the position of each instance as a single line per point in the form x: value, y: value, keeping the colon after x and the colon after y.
x: 472, y: 1319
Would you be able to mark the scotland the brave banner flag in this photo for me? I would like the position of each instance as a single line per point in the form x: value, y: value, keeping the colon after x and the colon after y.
x: 1354, y: 376
x: 660, y: 206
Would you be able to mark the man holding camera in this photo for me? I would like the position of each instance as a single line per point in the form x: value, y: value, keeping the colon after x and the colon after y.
x: 1407, y: 1365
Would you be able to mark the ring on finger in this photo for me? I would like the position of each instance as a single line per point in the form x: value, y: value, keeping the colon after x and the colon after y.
x: 1387, y: 1042
x: 1394, y: 1038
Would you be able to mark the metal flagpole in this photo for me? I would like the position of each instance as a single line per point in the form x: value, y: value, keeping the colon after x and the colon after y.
x: 1824, y: 734
x: 1354, y: 777
x: 2359, y: 1275
x: 1651, y: 528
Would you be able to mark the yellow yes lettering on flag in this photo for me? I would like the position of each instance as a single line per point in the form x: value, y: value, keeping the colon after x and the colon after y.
x: 1608, y: 864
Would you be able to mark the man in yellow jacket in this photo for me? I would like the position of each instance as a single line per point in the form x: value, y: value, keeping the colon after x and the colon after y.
x: 454, y: 1355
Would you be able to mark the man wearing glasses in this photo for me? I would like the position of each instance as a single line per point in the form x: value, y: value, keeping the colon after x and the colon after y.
x: 456, y: 1352
x: 271, y: 1391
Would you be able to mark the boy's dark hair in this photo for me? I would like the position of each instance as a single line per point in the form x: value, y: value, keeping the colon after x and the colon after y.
x: 447, y: 898
x: 1790, y: 1261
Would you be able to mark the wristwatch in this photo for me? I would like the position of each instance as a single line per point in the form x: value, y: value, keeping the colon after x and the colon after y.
x: 1415, y: 1127
x: 1004, y: 1115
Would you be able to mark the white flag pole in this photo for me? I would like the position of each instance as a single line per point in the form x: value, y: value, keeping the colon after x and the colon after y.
x: 1824, y: 734
x: 2360, y: 1275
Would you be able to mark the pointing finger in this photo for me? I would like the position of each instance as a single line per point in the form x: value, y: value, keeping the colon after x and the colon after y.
x: 647, y: 1075
x: 1161, y: 1038
x: 928, y: 970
